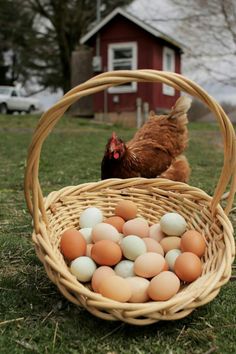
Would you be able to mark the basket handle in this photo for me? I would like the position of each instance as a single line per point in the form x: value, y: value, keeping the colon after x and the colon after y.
x: 33, y: 193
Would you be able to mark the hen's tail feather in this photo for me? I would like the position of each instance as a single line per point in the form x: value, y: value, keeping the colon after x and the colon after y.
x: 181, y: 107
x: 179, y: 170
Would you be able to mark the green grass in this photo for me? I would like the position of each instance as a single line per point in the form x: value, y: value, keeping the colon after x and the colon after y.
x: 43, y: 321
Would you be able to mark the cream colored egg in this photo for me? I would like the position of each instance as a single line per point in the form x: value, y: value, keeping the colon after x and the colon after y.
x: 106, y: 252
x: 99, y: 274
x: 83, y: 268
x: 173, y: 224
x: 170, y: 242
x: 156, y: 233
x: 90, y: 217
x: 139, y: 288
x: 132, y: 246
x: 125, y: 269
x: 121, y: 236
x: 163, y: 286
x: 115, y: 288
x: 89, y: 249
x: 171, y: 256
x: 126, y: 209
x: 149, y: 264
x: 193, y: 241
x: 137, y: 226
x: 103, y: 231
x: 153, y: 245
x: 87, y: 234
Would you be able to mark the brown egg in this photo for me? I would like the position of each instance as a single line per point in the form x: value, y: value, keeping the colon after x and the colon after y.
x: 72, y: 244
x: 115, y: 288
x: 193, y: 241
x: 170, y: 242
x: 163, y: 286
x: 153, y: 245
x: 106, y: 252
x: 156, y: 233
x: 126, y: 209
x: 188, y: 267
x: 99, y: 274
x: 137, y: 226
x: 139, y: 288
x: 149, y: 264
x: 116, y: 221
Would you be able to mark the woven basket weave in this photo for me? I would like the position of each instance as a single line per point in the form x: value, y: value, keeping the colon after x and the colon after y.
x: 154, y: 197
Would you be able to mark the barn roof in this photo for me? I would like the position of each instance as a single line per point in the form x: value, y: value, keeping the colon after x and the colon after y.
x: 147, y: 27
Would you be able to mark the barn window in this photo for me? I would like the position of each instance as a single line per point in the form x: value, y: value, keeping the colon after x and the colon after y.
x: 123, y: 56
x: 168, y: 65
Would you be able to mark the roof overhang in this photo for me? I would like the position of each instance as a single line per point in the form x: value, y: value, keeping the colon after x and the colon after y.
x: 119, y: 11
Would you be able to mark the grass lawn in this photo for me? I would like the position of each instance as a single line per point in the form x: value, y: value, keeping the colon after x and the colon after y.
x: 34, y: 317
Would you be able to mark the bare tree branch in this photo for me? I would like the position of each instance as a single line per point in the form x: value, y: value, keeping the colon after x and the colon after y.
x: 41, y: 9
x: 229, y: 12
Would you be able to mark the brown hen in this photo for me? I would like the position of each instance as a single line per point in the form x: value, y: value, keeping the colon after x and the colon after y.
x: 154, y: 151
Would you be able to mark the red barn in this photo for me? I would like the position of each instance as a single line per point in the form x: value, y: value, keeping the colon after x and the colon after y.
x: 121, y: 41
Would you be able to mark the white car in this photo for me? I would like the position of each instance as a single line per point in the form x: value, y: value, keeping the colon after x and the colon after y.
x: 12, y: 99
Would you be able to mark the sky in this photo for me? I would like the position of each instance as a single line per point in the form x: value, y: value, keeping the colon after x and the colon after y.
x: 212, y: 49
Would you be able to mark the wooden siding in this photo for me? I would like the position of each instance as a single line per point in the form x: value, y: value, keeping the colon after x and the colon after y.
x: 150, y: 48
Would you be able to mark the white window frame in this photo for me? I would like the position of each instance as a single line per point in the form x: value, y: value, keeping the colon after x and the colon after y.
x: 124, y: 45
x: 166, y: 89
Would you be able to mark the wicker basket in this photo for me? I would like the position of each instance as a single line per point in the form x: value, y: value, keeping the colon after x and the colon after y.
x: 154, y: 197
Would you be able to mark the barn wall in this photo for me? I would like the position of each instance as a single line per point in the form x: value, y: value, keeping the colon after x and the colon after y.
x: 149, y: 57
x: 160, y: 100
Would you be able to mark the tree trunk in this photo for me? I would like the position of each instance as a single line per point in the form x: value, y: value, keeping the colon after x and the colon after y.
x: 66, y: 74
x: 81, y: 70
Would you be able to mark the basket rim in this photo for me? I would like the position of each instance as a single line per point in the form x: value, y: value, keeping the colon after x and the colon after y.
x: 133, y: 182
x: 125, y: 184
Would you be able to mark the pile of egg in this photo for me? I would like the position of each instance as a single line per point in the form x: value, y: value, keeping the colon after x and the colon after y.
x: 125, y: 259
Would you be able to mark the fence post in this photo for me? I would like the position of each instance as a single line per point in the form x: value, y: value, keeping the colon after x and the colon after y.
x: 145, y: 111
x: 138, y: 112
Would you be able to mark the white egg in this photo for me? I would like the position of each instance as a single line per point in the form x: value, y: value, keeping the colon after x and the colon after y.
x: 87, y: 234
x: 125, y: 269
x: 173, y: 224
x: 83, y: 268
x: 132, y: 247
x: 171, y: 256
x: 90, y: 217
